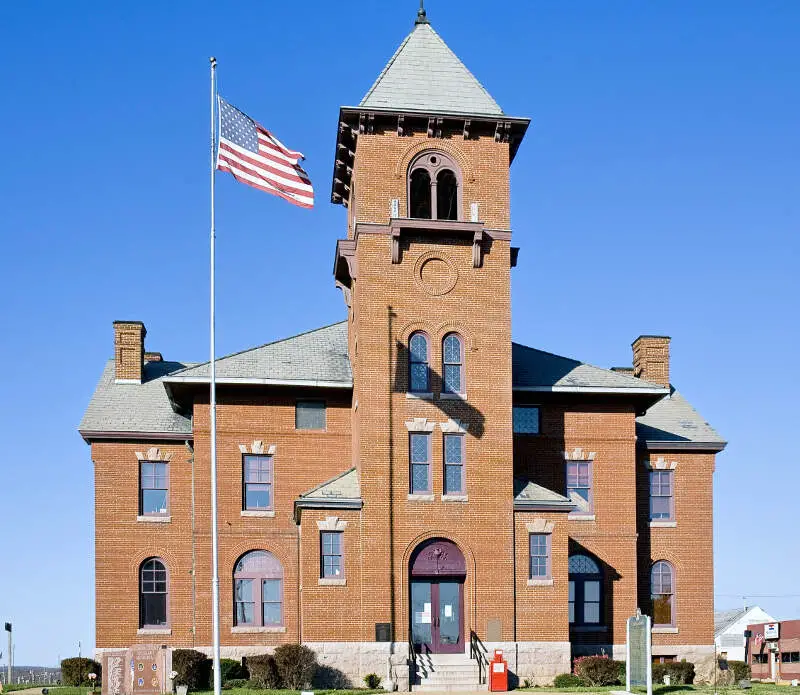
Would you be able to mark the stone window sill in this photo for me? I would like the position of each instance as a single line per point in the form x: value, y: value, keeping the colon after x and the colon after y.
x: 154, y: 519
x: 420, y: 498
x: 589, y: 628
x: 252, y: 630
x: 540, y: 582
x: 154, y: 631
x: 453, y: 396
x: 419, y: 396
x: 455, y: 498
x: 581, y: 517
x: 258, y: 512
x: 331, y: 581
x: 663, y: 524
x: 665, y: 630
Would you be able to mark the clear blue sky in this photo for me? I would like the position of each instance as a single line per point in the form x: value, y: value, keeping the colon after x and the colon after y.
x: 656, y: 192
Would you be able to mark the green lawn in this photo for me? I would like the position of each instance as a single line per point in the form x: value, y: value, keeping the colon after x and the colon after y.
x: 757, y: 689
x: 248, y: 691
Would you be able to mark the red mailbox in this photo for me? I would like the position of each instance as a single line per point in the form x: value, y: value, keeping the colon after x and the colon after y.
x: 498, y: 672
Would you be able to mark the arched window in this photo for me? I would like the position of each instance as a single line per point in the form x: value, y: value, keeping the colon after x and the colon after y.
x: 152, y: 593
x: 418, y: 364
x: 585, y: 591
x: 662, y: 593
x: 258, y: 590
x: 453, y: 364
x: 434, y: 190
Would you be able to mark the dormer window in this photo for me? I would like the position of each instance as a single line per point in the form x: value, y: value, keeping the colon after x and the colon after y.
x: 434, y: 187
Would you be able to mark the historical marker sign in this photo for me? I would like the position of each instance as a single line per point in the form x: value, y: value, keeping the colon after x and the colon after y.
x: 639, y: 670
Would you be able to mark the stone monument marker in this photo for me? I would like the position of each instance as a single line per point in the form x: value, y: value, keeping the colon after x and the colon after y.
x: 639, y: 668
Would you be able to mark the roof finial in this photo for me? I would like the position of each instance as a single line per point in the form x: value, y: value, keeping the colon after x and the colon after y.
x: 422, y: 17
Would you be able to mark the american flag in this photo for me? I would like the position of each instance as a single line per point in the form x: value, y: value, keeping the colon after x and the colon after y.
x: 256, y: 157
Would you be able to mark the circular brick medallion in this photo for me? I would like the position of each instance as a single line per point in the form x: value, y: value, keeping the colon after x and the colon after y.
x: 435, y: 273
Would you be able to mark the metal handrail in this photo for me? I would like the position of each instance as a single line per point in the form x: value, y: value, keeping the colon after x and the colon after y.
x: 412, y: 657
x: 477, y: 651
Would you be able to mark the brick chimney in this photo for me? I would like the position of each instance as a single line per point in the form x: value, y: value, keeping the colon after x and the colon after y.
x: 651, y: 358
x: 129, y: 351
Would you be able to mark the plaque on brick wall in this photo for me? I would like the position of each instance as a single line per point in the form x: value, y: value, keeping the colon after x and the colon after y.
x: 639, y: 670
x: 383, y: 632
x: 494, y: 630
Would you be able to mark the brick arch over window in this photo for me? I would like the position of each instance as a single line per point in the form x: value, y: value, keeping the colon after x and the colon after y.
x: 662, y: 593
x: 434, y: 186
x: 153, y: 594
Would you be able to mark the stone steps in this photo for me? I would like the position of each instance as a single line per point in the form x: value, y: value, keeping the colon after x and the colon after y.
x: 446, y: 673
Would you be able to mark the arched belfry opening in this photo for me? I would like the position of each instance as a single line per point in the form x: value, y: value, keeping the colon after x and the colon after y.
x: 437, y: 571
x: 434, y: 187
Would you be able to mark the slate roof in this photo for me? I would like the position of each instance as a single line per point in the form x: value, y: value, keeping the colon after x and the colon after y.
x: 145, y: 407
x: 425, y: 75
x: 343, y: 486
x: 529, y: 494
x: 314, y: 358
x: 724, y: 619
x: 535, y: 370
x: 673, y: 420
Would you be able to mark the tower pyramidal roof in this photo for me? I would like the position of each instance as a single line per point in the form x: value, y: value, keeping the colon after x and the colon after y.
x: 425, y: 75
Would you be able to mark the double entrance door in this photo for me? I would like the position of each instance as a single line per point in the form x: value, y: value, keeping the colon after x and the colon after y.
x: 437, y: 615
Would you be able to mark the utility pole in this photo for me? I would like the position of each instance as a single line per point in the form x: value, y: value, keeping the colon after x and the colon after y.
x: 10, y: 652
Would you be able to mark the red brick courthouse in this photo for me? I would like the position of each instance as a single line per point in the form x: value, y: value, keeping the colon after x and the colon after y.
x: 408, y: 487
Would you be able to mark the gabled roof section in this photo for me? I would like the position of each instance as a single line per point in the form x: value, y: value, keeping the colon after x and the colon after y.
x: 316, y: 358
x: 425, y: 75
x: 530, y: 495
x: 535, y: 370
x: 672, y: 423
x: 135, y: 409
x: 340, y: 492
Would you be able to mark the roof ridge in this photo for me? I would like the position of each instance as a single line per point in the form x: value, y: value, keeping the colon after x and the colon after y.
x: 259, y: 347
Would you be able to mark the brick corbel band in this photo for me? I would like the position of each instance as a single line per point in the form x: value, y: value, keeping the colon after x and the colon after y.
x: 332, y: 523
x: 540, y: 526
x: 153, y: 454
x: 257, y: 447
x: 660, y: 464
x: 578, y: 454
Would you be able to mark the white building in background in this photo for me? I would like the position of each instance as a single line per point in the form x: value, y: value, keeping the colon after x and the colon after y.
x: 729, y: 627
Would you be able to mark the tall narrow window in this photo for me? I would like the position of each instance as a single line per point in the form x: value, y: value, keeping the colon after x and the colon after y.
x: 579, y: 484
x: 420, y: 455
x: 154, y: 488
x: 539, y: 556
x: 258, y: 590
x: 662, y: 588
x: 420, y: 194
x: 257, y: 482
x: 152, y: 594
x: 453, y: 364
x: 418, y: 364
x: 454, y: 464
x: 332, y: 565
x: 446, y: 195
x: 585, y: 594
x: 661, y: 496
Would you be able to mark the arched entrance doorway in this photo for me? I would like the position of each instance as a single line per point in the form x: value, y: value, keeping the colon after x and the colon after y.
x: 437, y: 572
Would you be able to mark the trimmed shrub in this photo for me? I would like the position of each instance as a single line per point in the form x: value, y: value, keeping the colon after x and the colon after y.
x: 372, y: 681
x: 296, y: 665
x: 741, y: 670
x: 597, y: 670
x: 237, y: 683
x: 193, y: 669
x: 232, y: 669
x: 263, y: 672
x: 567, y: 680
x: 75, y: 671
x: 679, y: 672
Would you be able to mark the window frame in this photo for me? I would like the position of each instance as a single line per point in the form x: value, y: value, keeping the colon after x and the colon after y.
x: 148, y: 462
x: 411, y: 463
x: 578, y: 580
x: 257, y: 581
x: 427, y: 363
x: 271, y: 483
x: 461, y: 364
x: 590, y: 475
x: 671, y: 593
x: 308, y: 401
x: 548, y: 540
x: 462, y: 464
x: 153, y: 626
x: 660, y: 475
x: 526, y: 406
x: 322, y: 554
x: 443, y: 162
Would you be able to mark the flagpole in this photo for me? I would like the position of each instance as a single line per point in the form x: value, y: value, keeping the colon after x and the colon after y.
x: 213, y: 409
